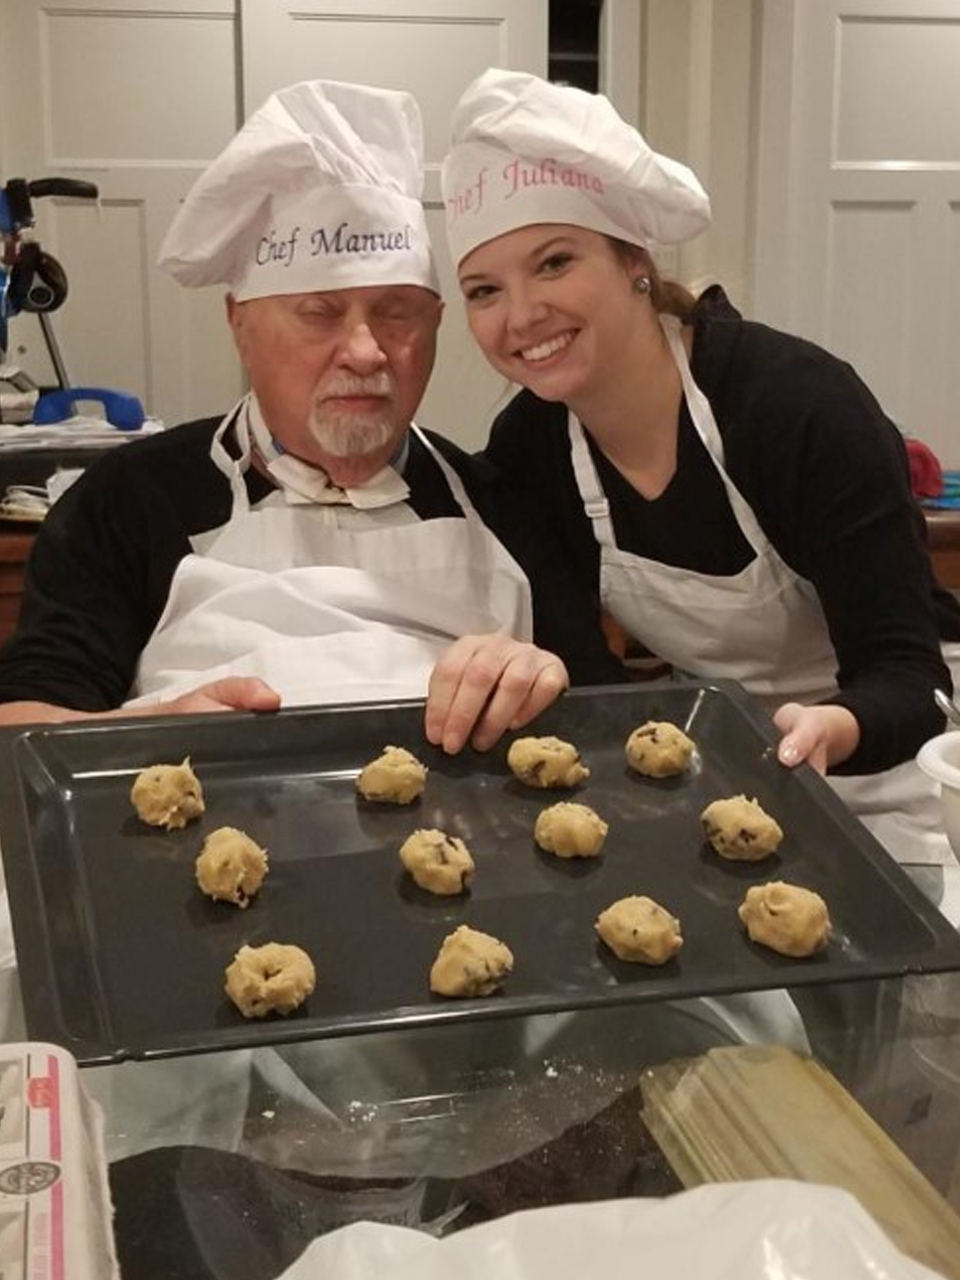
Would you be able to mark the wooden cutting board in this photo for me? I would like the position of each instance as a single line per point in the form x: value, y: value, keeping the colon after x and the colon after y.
x: 756, y: 1111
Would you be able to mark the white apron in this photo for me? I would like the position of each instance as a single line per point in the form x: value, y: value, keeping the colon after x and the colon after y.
x: 763, y: 627
x: 328, y: 603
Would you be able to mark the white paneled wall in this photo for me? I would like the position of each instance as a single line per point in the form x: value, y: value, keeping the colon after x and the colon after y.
x: 827, y: 133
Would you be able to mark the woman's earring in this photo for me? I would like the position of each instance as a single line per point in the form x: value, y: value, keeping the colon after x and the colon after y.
x: 642, y: 284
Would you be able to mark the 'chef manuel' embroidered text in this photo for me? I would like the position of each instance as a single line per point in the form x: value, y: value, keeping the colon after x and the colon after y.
x: 273, y: 248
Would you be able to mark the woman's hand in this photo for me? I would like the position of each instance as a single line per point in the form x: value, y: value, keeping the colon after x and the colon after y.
x: 821, y: 736
x: 485, y: 685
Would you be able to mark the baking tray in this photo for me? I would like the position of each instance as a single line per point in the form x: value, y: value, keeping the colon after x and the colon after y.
x: 122, y: 956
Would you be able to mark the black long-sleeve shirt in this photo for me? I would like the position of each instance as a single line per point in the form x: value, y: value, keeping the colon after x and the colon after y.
x: 826, y: 474
x: 101, y: 567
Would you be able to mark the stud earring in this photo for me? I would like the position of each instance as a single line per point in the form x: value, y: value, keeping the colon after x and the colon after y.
x: 642, y: 284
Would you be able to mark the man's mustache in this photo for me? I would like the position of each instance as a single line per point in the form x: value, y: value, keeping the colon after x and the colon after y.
x: 380, y: 384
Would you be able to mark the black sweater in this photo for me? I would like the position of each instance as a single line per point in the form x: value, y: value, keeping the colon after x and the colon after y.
x: 826, y: 474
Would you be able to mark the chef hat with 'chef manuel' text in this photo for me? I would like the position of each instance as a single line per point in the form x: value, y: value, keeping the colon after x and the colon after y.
x: 319, y: 190
x: 526, y: 151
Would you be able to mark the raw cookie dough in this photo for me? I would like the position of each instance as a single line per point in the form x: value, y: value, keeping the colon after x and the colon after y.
x: 546, y: 762
x: 570, y: 830
x: 167, y: 795
x: 439, y: 863
x: 470, y: 963
x: 231, y: 866
x: 396, y: 777
x: 740, y: 830
x: 640, y: 930
x: 658, y: 749
x: 274, y: 978
x: 786, y: 918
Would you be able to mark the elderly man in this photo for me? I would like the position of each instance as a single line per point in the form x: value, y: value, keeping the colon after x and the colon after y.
x: 315, y: 545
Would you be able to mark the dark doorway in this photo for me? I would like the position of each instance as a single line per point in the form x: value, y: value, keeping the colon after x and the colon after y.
x: 574, y: 38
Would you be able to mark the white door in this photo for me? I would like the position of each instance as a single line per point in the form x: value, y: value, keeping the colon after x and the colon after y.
x: 858, y: 233
x: 139, y: 95
x: 136, y: 97
x: 433, y: 49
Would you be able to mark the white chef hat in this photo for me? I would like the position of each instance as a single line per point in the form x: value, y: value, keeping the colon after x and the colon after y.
x: 526, y: 151
x: 319, y: 190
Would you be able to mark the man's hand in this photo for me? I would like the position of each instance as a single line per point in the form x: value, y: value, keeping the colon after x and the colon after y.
x: 821, y: 736
x: 485, y: 685
x: 232, y: 693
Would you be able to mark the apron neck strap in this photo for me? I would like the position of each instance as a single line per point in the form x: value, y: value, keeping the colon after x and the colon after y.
x: 702, y: 417
x: 449, y: 473
x: 234, y: 468
x: 595, y: 502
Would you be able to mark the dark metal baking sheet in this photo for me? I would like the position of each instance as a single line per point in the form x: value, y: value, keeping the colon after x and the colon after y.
x: 121, y: 956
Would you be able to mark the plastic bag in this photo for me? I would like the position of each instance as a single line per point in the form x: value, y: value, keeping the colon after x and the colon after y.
x: 763, y: 1230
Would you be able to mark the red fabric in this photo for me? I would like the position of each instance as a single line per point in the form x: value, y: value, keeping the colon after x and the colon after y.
x: 926, y: 474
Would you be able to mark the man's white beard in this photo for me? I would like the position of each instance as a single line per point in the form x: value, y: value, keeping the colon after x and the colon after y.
x: 344, y: 434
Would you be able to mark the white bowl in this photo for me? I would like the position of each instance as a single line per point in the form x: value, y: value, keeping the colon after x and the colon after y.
x: 940, y: 758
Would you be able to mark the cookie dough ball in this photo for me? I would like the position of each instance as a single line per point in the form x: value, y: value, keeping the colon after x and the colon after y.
x: 396, y: 777
x: 786, y: 918
x: 231, y: 866
x: 658, y: 749
x: 546, y: 762
x: 470, y: 963
x: 740, y: 830
x: 570, y: 830
x: 640, y: 930
x: 438, y: 863
x: 274, y: 978
x: 167, y: 795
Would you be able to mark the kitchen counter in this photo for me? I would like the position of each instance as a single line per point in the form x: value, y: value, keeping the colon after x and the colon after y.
x: 943, y: 533
x: 15, y: 544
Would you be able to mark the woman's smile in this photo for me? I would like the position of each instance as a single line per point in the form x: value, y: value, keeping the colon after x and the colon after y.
x: 549, y: 347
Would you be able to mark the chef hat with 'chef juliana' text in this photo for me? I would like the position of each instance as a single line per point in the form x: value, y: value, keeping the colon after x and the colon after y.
x: 526, y: 151
x: 319, y: 190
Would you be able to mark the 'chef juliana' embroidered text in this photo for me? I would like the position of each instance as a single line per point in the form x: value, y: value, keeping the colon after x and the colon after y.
x: 517, y: 176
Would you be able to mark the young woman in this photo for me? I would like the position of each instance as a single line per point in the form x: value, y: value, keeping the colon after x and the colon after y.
x: 735, y: 495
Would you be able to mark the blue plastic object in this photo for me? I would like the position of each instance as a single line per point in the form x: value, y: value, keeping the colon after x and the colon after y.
x: 123, y: 411
x: 4, y: 283
x: 949, y: 500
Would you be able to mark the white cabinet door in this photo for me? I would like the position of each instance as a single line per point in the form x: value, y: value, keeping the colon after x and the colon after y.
x: 858, y: 222
x: 135, y: 96
x: 433, y: 49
